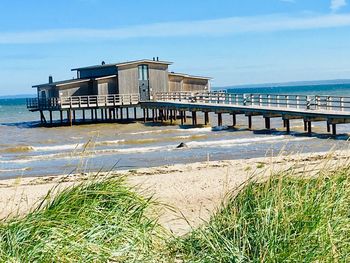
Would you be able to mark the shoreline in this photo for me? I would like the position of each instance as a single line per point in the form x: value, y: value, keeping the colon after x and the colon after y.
x: 190, y: 192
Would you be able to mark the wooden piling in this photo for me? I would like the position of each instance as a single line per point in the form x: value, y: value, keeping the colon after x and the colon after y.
x: 287, y: 122
x: 135, y: 115
x: 194, y: 118
x: 219, y: 119
x: 50, y: 116
x: 250, y: 123
x: 267, y: 123
x: 83, y: 115
x: 309, y: 127
x: 206, y: 118
x: 334, y: 129
x: 144, y: 115
x: 234, y: 120
x: 61, y: 116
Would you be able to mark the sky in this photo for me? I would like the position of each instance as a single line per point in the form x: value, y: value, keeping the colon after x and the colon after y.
x: 234, y: 41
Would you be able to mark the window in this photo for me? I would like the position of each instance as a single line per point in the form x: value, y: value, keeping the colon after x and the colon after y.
x: 143, y: 72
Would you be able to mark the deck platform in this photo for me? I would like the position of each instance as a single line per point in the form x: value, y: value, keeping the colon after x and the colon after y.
x: 175, y: 105
x: 332, y: 110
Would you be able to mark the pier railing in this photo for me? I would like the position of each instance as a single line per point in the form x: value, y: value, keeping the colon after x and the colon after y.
x: 313, y: 102
x: 81, y: 102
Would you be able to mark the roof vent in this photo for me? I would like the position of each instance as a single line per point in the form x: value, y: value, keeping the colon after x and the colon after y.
x: 154, y: 59
x: 103, y: 63
x: 157, y: 58
x: 50, y: 79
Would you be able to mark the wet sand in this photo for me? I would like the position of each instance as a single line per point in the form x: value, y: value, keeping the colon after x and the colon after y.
x: 190, y: 192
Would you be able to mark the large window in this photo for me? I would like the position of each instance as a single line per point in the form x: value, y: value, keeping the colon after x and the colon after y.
x: 143, y: 72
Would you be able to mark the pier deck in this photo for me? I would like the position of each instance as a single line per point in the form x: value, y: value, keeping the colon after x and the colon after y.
x: 332, y: 110
x: 175, y: 105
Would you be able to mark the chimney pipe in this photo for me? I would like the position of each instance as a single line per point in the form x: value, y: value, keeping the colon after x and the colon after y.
x: 157, y: 58
x: 50, y: 79
x: 154, y: 59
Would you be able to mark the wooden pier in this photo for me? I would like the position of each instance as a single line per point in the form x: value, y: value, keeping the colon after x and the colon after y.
x: 173, y: 106
x: 329, y: 109
x: 102, y: 108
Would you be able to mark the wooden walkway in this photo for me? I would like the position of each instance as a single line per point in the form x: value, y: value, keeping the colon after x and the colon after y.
x: 332, y: 110
x: 175, y: 105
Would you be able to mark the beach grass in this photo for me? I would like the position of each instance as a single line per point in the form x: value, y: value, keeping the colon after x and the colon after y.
x: 97, y: 221
x: 287, y: 217
x: 283, y: 219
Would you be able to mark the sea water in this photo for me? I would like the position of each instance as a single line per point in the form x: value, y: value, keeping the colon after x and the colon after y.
x: 26, y: 149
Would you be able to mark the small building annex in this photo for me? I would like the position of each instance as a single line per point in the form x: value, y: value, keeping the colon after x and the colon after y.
x: 144, y: 77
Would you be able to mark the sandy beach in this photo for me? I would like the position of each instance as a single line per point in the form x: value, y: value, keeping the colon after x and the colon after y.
x: 190, y: 193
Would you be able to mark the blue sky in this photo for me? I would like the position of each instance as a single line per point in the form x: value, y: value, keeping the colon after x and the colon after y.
x: 235, y: 42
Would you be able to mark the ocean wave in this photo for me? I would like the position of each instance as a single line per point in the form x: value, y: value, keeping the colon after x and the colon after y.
x: 198, y: 130
x: 17, y: 149
x: 168, y: 147
x: 63, y: 147
x: 15, y: 170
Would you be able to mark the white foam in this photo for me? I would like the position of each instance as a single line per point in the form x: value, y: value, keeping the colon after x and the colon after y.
x: 154, y: 131
x: 169, y: 147
x: 63, y: 147
x: 220, y: 128
x: 14, y: 170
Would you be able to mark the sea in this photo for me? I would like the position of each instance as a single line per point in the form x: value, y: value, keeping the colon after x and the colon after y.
x: 26, y: 149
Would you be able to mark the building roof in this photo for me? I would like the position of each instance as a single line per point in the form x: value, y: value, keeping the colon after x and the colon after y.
x: 148, y: 61
x: 188, y: 76
x: 62, y: 83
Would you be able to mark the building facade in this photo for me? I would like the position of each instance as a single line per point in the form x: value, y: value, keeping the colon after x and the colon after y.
x: 143, y: 77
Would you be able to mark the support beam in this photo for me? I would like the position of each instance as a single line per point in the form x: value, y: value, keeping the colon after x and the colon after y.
x: 268, y: 123
x: 127, y: 113
x: 328, y: 127
x: 309, y: 127
x: 121, y: 114
x: 182, y: 117
x: 153, y: 115
x: 206, y: 118
x: 234, y: 120
x: 101, y: 114
x: 250, y: 123
x: 194, y: 118
x: 305, y: 125
x: 220, y: 119
x: 334, y: 129
x: 144, y: 116
x: 50, y: 116
x: 287, y: 122
x: 135, y: 115
x: 69, y: 117
x: 61, y: 116
x: 83, y: 115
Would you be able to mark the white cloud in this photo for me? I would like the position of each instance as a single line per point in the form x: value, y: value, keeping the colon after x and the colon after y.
x: 288, y: 1
x: 204, y: 28
x: 337, y: 4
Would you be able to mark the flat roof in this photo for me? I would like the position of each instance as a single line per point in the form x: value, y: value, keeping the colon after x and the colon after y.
x: 62, y: 83
x: 148, y: 61
x: 188, y: 76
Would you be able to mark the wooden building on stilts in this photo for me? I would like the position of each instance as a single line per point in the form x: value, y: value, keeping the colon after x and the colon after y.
x: 109, y: 92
